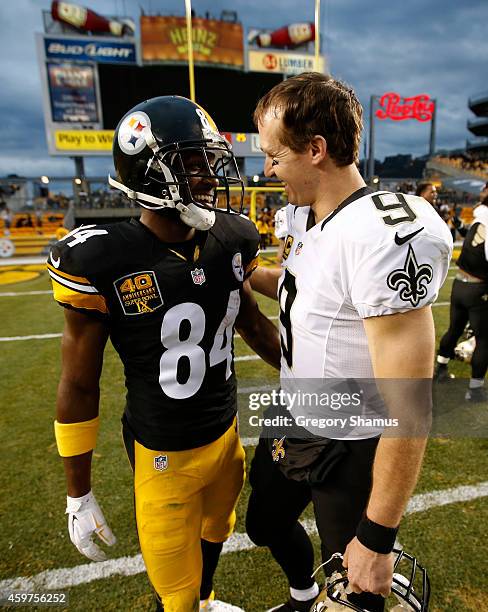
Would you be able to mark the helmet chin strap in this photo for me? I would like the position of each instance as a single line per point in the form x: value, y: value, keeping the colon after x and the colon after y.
x: 194, y: 216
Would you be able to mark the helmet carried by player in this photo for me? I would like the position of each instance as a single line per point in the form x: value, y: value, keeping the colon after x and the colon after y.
x: 410, y: 589
x: 168, y: 153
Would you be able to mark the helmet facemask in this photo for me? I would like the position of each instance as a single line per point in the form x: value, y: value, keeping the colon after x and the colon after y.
x: 203, y: 173
x: 410, y: 589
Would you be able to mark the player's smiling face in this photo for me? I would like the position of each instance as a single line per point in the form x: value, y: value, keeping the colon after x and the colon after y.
x: 294, y: 169
x: 202, y: 184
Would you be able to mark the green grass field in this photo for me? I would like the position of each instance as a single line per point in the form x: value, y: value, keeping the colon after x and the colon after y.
x: 449, y: 539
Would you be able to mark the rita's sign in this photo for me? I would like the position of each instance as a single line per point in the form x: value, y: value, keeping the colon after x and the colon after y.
x: 394, y: 107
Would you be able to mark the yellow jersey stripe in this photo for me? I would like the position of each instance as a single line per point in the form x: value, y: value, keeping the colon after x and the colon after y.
x: 86, y: 301
x: 80, y: 287
x: 76, y: 279
x: 178, y: 254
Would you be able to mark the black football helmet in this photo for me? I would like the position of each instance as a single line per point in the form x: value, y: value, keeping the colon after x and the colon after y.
x: 410, y: 589
x: 165, y: 146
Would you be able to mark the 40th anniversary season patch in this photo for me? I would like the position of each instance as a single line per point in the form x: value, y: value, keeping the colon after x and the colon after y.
x: 138, y: 293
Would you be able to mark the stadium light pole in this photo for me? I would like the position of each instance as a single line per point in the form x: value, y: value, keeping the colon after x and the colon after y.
x: 365, y: 157
x: 317, y: 34
x: 371, y: 137
x: 191, y: 71
x: 432, y: 130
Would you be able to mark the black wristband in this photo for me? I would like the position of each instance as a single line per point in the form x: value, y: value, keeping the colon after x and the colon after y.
x: 377, y: 538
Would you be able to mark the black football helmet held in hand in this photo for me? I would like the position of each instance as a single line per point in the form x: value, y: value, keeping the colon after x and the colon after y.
x: 168, y: 153
x: 410, y: 588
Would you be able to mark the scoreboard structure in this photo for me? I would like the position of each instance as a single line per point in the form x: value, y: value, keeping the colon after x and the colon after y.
x: 72, y: 98
x: 229, y: 96
x: 90, y: 81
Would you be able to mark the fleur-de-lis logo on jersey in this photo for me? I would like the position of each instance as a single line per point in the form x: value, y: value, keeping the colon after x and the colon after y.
x: 278, y: 450
x: 411, y: 280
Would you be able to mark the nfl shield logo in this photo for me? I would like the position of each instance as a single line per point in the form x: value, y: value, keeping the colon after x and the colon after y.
x: 161, y: 462
x: 198, y: 276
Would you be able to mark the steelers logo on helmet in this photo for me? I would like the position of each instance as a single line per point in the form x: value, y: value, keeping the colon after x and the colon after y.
x: 131, y: 132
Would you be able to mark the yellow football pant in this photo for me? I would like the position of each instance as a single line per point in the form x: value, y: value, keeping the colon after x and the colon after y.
x: 193, y: 497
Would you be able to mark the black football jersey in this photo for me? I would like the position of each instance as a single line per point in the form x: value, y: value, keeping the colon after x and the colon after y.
x: 171, y: 319
x: 472, y: 258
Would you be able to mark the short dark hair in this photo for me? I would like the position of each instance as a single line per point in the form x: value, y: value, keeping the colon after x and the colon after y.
x: 422, y: 186
x: 311, y: 104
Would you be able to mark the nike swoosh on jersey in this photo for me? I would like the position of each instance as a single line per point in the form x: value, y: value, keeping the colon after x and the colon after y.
x: 55, y: 262
x: 403, y: 239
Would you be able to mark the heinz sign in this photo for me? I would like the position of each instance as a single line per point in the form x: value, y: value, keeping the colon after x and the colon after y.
x: 394, y: 107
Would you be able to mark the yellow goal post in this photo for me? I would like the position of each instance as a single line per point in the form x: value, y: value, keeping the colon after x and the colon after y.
x: 251, y: 196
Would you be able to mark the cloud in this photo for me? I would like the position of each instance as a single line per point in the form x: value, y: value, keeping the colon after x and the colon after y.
x: 439, y: 48
x: 432, y: 48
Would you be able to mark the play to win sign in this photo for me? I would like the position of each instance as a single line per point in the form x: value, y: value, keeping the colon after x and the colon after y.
x: 80, y: 141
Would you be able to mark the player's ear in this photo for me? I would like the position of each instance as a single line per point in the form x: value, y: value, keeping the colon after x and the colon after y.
x: 318, y: 149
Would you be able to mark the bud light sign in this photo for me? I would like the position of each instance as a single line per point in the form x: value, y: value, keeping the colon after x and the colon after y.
x: 83, y: 50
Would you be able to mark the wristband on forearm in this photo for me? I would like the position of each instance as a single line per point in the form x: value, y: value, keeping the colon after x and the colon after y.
x: 76, y: 438
x: 377, y: 538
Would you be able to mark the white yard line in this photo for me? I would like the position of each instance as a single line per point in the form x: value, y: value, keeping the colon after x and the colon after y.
x: 249, y: 441
x: 17, y: 293
x: 424, y: 501
x: 65, y: 578
x: 246, y: 358
x: 22, y: 261
x: 33, y: 337
x: 256, y: 389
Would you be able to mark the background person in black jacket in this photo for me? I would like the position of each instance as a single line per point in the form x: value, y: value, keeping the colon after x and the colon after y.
x: 469, y: 303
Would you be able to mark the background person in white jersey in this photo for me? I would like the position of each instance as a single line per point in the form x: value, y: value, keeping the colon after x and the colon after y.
x: 360, y: 271
x: 280, y: 231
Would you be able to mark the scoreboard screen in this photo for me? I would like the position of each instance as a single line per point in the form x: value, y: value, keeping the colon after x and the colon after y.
x: 230, y: 96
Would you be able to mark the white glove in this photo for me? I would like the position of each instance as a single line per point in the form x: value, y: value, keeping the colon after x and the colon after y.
x: 84, y: 519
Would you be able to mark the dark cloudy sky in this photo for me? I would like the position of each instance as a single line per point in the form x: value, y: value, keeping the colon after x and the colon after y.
x: 438, y: 47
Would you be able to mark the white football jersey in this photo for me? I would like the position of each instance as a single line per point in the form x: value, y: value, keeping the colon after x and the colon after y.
x: 281, y: 223
x: 377, y: 254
